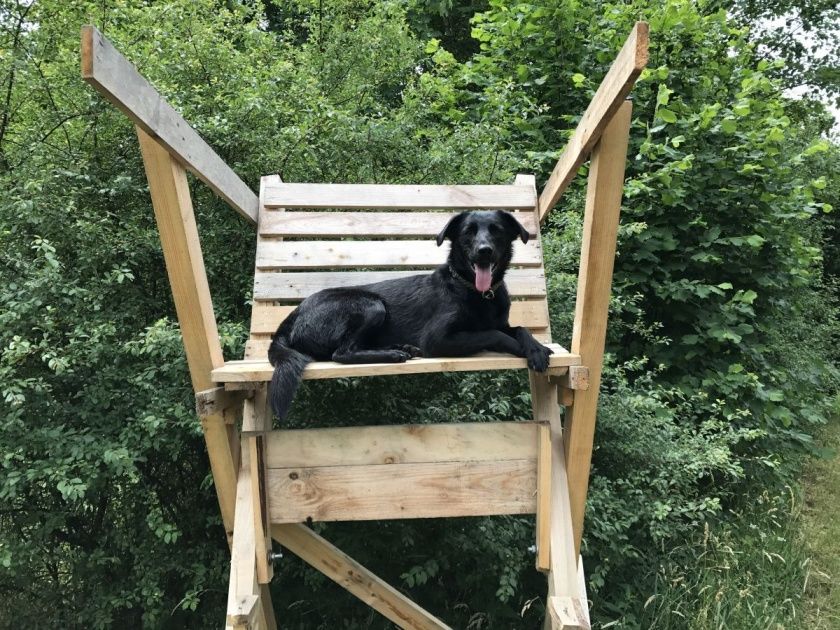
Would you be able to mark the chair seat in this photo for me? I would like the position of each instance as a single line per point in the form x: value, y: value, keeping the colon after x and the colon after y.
x: 247, y: 371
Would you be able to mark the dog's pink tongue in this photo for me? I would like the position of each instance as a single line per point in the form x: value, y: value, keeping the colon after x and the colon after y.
x: 483, y: 278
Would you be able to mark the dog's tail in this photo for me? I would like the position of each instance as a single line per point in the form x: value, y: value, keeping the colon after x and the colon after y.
x: 288, y: 372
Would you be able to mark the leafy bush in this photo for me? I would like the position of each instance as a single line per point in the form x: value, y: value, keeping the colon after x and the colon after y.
x: 721, y: 330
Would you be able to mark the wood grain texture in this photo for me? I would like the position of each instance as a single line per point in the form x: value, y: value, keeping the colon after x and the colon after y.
x: 600, y: 227
x: 349, y: 574
x: 543, y: 543
x: 273, y: 254
x: 261, y: 370
x: 245, y: 602
x: 397, y: 491
x: 364, y: 224
x: 615, y: 87
x: 113, y: 76
x: 402, y: 444
x: 288, y: 286
x: 288, y: 195
x: 191, y: 293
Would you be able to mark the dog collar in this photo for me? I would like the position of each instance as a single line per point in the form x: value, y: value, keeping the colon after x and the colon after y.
x: 489, y: 294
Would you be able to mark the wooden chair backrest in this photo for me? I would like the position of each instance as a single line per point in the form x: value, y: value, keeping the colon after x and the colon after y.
x: 376, y: 232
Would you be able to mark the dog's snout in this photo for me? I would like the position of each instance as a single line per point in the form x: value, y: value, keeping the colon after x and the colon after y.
x: 485, y: 250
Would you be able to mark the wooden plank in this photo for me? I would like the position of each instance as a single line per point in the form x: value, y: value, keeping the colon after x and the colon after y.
x: 600, y: 227
x: 243, y: 586
x: 256, y: 418
x: 611, y: 93
x: 273, y: 254
x: 562, y: 577
x: 261, y: 370
x: 266, y: 317
x: 349, y: 574
x: 566, y: 613
x: 396, y: 491
x: 185, y: 266
x: 574, y: 379
x: 521, y: 283
x: 364, y: 224
x: 113, y: 76
x: 215, y: 401
x: 543, y: 496
x: 401, y: 444
x: 408, y: 196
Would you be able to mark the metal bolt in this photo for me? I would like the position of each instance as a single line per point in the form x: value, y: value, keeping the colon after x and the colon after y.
x: 274, y: 555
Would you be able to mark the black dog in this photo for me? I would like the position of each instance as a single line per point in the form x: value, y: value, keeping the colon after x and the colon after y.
x: 458, y: 310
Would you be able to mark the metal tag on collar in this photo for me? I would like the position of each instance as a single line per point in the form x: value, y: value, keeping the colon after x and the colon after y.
x: 489, y: 294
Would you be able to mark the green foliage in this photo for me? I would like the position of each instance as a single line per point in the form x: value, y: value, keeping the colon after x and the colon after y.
x: 723, y: 325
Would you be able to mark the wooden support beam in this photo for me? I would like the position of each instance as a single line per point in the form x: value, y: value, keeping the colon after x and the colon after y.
x: 113, y: 76
x: 600, y: 227
x: 216, y: 400
x: 349, y: 574
x: 543, y: 497
x: 191, y: 293
x: 247, y: 601
x: 611, y: 93
x: 256, y: 422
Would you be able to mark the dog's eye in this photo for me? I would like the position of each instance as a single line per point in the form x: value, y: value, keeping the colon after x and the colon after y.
x: 471, y: 230
x: 494, y: 229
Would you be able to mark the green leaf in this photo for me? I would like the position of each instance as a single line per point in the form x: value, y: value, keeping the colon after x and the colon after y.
x: 728, y: 125
x: 667, y: 115
x: 578, y: 79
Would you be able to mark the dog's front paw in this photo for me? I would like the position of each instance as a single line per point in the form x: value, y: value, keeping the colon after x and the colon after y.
x: 413, y: 351
x: 537, y: 356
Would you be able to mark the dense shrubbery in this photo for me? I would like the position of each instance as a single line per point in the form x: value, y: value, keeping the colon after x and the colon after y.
x: 721, y: 335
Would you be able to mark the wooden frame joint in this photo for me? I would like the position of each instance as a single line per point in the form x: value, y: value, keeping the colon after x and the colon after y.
x: 215, y: 401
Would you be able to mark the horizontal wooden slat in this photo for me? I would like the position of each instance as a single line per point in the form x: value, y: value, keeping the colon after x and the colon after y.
x: 113, y: 76
x: 402, y: 444
x: 266, y: 317
x: 365, y: 224
x: 286, y: 195
x: 273, y: 254
x: 392, y: 491
x: 614, y: 88
x: 268, y: 285
x: 261, y: 370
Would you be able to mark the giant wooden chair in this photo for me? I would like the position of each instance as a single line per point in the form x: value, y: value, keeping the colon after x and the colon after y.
x: 268, y: 481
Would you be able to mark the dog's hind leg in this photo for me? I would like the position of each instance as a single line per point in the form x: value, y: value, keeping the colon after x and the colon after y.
x: 368, y: 314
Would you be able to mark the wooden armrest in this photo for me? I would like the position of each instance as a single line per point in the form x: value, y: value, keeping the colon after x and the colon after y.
x: 613, y: 90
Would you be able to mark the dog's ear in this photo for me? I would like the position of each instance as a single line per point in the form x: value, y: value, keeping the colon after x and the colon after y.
x: 450, y: 230
x: 514, y: 228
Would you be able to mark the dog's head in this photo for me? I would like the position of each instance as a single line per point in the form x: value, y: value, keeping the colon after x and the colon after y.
x: 482, y: 244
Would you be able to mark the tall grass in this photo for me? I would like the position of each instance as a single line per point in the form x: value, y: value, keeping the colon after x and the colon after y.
x: 747, y: 572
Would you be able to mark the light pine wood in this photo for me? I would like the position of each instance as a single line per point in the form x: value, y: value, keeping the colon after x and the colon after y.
x: 256, y: 420
x: 543, y: 496
x: 245, y: 596
x: 615, y: 87
x: 272, y: 254
x: 191, y: 293
x: 113, y: 76
x: 408, y: 196
x: 578, y: 378
x: 566, y: 613
x: 396, y: 491
x: 261, y: 370
x: 350, y: 575
x: 215, y: 401
x: 266, y: 317
x: 401, y: 444
x: 600, y: 227
x: 521, y: 283
x: 360, y: 224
